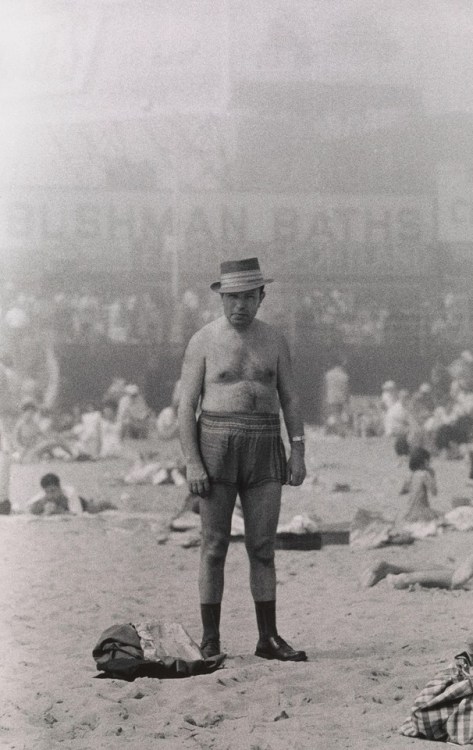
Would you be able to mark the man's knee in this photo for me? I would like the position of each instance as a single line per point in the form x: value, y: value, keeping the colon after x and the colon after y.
x: 214, y: 548
x: 260, y: 550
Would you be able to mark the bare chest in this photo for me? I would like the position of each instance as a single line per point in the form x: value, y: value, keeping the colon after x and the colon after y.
x: 236, y: 361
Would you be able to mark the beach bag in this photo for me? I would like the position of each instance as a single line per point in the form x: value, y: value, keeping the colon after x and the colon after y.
x: 443, y: 710
x: 150, y: 649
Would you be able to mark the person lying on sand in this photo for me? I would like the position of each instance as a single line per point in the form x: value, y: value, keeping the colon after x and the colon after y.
x: 401, y: 577
x: 56, y: 499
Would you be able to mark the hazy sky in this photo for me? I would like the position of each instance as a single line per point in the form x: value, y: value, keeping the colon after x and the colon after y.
x: 423, y: 43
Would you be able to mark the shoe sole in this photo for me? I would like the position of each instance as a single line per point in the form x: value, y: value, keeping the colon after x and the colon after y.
x: 266, y: 655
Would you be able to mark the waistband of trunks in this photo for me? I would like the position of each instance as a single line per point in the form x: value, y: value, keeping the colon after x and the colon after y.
x: 263, y: 422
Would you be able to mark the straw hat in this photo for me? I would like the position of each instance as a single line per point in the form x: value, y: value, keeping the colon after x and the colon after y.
x: 239, y: 276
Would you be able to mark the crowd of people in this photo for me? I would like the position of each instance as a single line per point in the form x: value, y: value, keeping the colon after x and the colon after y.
x: 82, y: 315
x: 89, y: 433
x: 435, y: 419
x: 236, y: 381
x: 36, y: 329
x: 92, y: 433
x: 450, y: 318
x: 85, y: 315
x: 338, y: 315
x: 437, y: 415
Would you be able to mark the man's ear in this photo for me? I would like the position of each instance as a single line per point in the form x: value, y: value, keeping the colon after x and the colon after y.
x: 262, y: 295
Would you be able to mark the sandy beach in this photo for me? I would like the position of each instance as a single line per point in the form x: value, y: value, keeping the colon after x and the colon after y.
x: 63, y: 580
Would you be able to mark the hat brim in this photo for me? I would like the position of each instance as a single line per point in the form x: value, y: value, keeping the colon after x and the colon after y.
x: 217, y: 286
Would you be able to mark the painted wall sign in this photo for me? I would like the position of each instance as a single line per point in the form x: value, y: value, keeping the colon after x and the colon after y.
x: 455, y: 203
x: 327, y: 234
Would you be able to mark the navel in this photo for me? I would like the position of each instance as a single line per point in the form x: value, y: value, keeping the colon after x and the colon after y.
x: 227, y: 375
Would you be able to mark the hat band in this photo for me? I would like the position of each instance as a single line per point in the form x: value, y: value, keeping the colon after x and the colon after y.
x: 241, y: 278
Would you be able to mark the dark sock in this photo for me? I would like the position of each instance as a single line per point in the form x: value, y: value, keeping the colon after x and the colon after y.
x: 210, y: 614
x: 266, y: 619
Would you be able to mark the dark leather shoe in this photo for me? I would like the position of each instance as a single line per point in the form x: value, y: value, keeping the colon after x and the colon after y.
x: 276, y: 647
x: 210, y: 648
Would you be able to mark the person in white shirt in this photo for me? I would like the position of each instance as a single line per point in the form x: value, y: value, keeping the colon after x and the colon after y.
x: 87, y: 435
x: 336, y: 399
x: 134, y: 413
x: 110, y: 431
x: 389, y: 394
x: 398, y: 419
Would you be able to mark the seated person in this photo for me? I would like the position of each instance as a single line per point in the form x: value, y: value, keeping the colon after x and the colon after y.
x: 421, y: 484
x: 167, y: 422
x: 56, y: 499
x: 115, y: 391
x: 27, y: 431
x: 86, y: 435
x: 110, y: 429
x: 30, y: 440
x: 133, y: 414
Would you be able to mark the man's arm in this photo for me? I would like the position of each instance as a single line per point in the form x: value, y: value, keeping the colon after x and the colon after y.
x: 192, y: 383
x: 16, y: 436
x: 73, y: 500
x: 36, y: 504
x: 289, y: 401
x: 431, y: 481
x: 5, y: 440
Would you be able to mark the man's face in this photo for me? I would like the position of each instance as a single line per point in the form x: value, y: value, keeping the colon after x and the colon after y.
x: 240, y: 308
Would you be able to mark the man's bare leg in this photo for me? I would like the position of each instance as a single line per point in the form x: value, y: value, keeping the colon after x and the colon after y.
x: 216, y: 521
x: 375, y: 573
x: 439, y: 578
x: 436, y: 578
x: 261, y: 506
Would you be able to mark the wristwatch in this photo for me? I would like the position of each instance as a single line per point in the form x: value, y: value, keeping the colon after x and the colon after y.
x: 297, y: 439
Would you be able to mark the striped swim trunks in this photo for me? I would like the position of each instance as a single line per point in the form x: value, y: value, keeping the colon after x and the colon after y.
x: 242, y: 450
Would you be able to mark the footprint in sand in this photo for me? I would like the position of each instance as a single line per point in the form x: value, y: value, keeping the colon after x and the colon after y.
x: 209, y: 720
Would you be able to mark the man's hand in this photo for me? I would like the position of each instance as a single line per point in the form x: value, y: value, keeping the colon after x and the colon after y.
x: 197, y: 480
x: 296, y: 467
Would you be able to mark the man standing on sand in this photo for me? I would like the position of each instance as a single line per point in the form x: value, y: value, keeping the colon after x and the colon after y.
x: 239, y: 369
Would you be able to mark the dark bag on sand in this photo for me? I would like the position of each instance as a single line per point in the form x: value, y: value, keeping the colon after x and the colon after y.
x: 150, y: 649
x: 443, y: 711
